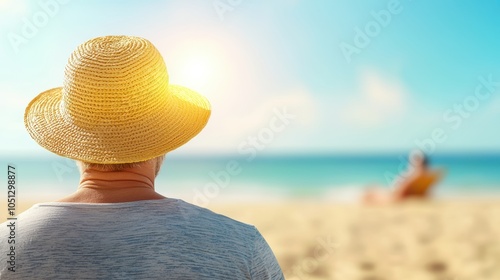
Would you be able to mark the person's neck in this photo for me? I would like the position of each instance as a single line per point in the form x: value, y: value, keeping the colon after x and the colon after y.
x: 115, y: 186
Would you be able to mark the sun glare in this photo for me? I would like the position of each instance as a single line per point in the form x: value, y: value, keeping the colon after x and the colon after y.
x: 214, y: 66
x: 197, y: 67
x: 14, y: 7
x: 197, y: 71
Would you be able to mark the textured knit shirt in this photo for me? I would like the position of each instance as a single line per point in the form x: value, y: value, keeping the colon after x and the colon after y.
x: 149, y: 239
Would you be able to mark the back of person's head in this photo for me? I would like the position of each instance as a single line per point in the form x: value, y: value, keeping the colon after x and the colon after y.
x: 419, y: 159
x: 116, y: 107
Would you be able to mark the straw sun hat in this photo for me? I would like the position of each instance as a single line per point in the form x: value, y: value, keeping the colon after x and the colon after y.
x: 116, y: 105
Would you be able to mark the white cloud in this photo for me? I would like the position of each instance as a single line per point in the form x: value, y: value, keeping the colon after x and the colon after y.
x: 298, y: 102
x: 380, y: 100
x: 492, y: 109
x: 230, y: 124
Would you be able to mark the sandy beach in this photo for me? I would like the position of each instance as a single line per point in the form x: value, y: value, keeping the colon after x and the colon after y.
x: 447, y: 240
x: 436, y: 240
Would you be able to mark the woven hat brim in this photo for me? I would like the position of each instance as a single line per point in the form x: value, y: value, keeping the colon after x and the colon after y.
x: 123, y: 142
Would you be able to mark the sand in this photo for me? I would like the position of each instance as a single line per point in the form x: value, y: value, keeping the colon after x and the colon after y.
x: 445, y: 240
x: 433, y: 240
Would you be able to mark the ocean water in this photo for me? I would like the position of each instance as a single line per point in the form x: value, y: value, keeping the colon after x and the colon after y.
x: 203, y: 180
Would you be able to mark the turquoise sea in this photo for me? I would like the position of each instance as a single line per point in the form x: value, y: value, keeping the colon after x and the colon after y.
x: 203, y: 180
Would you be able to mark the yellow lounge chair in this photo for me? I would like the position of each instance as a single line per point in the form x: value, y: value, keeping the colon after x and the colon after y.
x: 420, y: 186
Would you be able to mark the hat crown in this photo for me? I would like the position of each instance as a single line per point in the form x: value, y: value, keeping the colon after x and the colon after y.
x: 113, y: 77
x: 116, y: 105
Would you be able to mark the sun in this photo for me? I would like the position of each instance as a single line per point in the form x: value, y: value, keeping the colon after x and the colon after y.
x: 215, y: 66
x: 198, y: 71
x: 197, y: 68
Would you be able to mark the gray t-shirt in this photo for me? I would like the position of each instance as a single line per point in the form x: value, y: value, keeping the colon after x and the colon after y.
x: 150, y: 239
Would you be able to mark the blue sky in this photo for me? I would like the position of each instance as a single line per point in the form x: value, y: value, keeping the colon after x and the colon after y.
x: 416, y: 74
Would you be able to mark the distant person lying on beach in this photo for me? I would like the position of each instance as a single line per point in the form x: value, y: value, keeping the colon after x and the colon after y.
x: 117, y: 116
x: 417, y: 182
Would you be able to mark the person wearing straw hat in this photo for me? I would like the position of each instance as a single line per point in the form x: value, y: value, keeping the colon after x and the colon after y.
x: 117, y: 116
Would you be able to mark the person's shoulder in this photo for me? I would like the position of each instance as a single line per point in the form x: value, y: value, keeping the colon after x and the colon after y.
x: 191, y: 211
x: 209, y: 219
x: 11, y: 222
